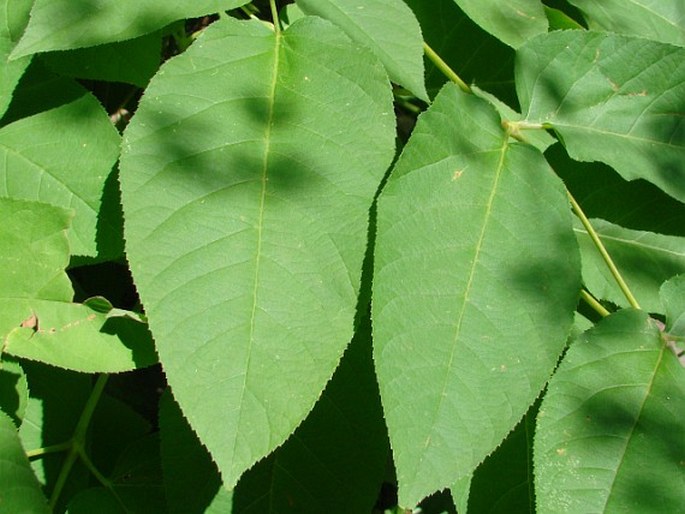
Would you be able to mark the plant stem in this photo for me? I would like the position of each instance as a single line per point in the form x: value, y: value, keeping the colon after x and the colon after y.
x: 592, y: 302
x: 603, y: 252
x: 78, y: 440
x: 274, y: 15
x: 54, y: 448
x: 444, y: 68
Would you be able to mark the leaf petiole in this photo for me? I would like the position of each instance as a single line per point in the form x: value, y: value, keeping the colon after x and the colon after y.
x: 603, y: 252
x: 445, y: 68
x: 592, y: 302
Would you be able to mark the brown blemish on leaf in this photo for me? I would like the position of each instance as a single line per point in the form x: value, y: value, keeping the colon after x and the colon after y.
x: 457, y: 174
x: 30, y: 322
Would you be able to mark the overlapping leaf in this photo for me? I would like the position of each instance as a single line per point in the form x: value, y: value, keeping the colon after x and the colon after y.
x: 68, y: 24
x: 610, y: 427
x: 661, y: 21
x: 14, y: 15
x: 62, y: 157
x: 615, y: 99
x: 20, y: 489
x: 672, y: 295
x: 247, y: 176
x: 476, y: 56
x: 388, y: 27
x: 644, y: 259
x: 38, y: 320
x: 513, y: 22
x: 132, y: 61
x: 472, y: 302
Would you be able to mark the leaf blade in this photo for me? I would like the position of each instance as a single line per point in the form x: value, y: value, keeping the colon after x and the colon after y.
x: 441, y: 318
x: 511, y: 22
x: 388, y: 27
x: 612, y: 406
x: 621, y: 103
x: 280, y: 231
x: 21, y: 490
x: 65, y: 25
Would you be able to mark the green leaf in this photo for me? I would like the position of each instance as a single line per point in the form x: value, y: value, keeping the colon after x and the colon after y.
x: 476, y: 56
x: 644, y: 259
x: 611, y: 98
x: 387, y: 27
x: 191, y: 479
x: 609, y: 433
x: 74, y: 336
x: 672, y: 295
x: 559, y: 20
x: 20, y: 488
x: 246, y: 210
x: 133, y: 61
x: 14, y: 392
x: 14, y: 15
x: 661, y: 21
x: 69, y: 24
x: 62, y: 157
x: 472, y: 304
x: 38, y: 320
x: 335, y: 461
x: 513, y: 22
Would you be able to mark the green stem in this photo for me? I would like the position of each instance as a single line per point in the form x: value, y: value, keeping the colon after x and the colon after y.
x: 603, y: 252
x: 54, y: 448
x: 274, y: 15
x: 444, y: 68
x: 77, y: 442
x: 592, y: 302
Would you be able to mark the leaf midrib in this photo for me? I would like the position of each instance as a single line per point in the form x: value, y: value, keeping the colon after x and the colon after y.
x: 467, y: 290
x: 260, y: 226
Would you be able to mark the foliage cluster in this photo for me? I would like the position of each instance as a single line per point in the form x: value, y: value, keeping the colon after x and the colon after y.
x: 342, y: 256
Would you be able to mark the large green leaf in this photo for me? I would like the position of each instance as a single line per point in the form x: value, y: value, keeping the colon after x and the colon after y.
x: 68, y: 24
x: 38, y: 320
x: 610, y: 429
x: 388, y: 27
x: 660, y: 20
x: 611, y: 98
x: 477, y: 276
x: 513, y: 21
x: 20, y: 490
x: 644, y: 259
x: 62, y: 157
x: 247, y: 176
x: 14, y: 15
